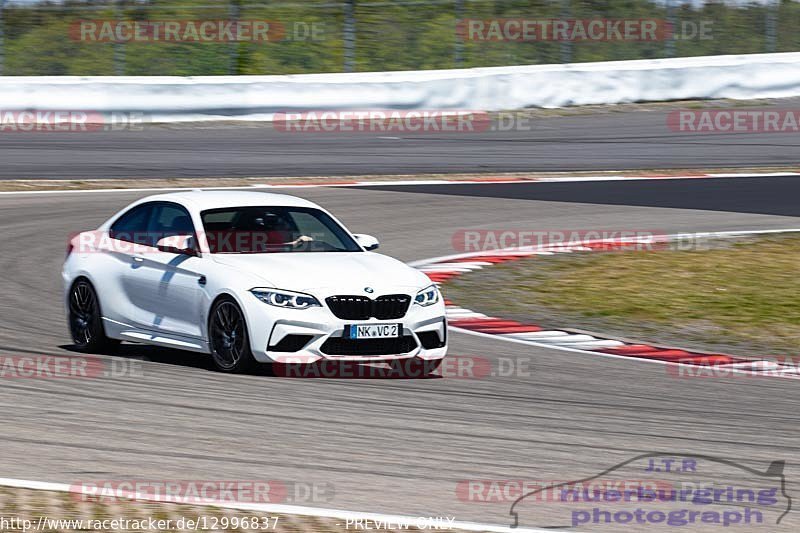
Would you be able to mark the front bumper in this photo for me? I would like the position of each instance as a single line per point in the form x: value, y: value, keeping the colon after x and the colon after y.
x: 269, y: 325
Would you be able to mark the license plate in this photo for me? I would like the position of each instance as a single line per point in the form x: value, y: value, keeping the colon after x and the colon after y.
x: 372, y: 331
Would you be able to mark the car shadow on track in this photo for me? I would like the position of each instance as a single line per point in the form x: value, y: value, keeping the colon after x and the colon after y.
x: 154, y: 354
x: 323, y: 370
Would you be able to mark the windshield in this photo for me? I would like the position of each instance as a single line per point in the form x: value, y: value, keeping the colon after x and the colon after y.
x: 253, y: 230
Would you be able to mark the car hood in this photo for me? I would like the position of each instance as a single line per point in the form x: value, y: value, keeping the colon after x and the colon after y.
x: 334, y: 272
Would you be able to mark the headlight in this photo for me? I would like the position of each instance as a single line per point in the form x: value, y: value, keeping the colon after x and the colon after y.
x: 287, y: 299
x: 427, y: 296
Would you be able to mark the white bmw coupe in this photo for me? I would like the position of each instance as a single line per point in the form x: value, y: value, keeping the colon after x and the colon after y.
x: 249, y: 278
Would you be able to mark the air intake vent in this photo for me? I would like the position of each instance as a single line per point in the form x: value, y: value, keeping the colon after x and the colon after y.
x: 342, y: 346
x: 430, y: 340
x: 291, y: 343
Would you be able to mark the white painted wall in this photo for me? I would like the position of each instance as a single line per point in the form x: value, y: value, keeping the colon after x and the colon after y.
x: 490, y: 89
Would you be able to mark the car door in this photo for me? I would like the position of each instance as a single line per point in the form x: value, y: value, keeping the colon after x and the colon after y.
x: 165, y: 288
x: 127, y: 237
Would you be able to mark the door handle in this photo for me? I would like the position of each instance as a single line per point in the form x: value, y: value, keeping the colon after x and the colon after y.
x: 137, y: 259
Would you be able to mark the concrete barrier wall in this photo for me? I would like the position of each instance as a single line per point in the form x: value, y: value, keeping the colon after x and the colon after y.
x: 490, y: 89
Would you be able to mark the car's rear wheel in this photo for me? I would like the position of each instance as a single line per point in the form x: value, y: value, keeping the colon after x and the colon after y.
x: 85, y: 319
x: 230, y: 343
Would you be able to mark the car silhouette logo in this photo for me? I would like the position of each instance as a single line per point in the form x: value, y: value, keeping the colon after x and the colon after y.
x: 774, y: 472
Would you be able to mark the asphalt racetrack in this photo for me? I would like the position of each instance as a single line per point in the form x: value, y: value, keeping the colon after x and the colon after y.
x: 386, y: 445
x: 591, y: 142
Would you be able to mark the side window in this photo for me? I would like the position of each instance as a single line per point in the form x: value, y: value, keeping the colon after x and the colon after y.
x: 168, y: 220
x: 132, y: 226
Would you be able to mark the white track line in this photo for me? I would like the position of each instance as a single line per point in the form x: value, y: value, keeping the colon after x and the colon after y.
x: 539, y: 250
x: 533, y: 335
x: 284, y: 509
x: 568, y: 339
x: 404, y: 183
x: 743, y: 369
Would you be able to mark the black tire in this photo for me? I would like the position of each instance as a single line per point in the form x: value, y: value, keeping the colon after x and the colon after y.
x: 85, y: 320
x: 228, y: 338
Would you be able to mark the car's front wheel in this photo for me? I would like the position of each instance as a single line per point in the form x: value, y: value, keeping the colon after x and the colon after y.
x: 230, y: 343
x: 85, y: 319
